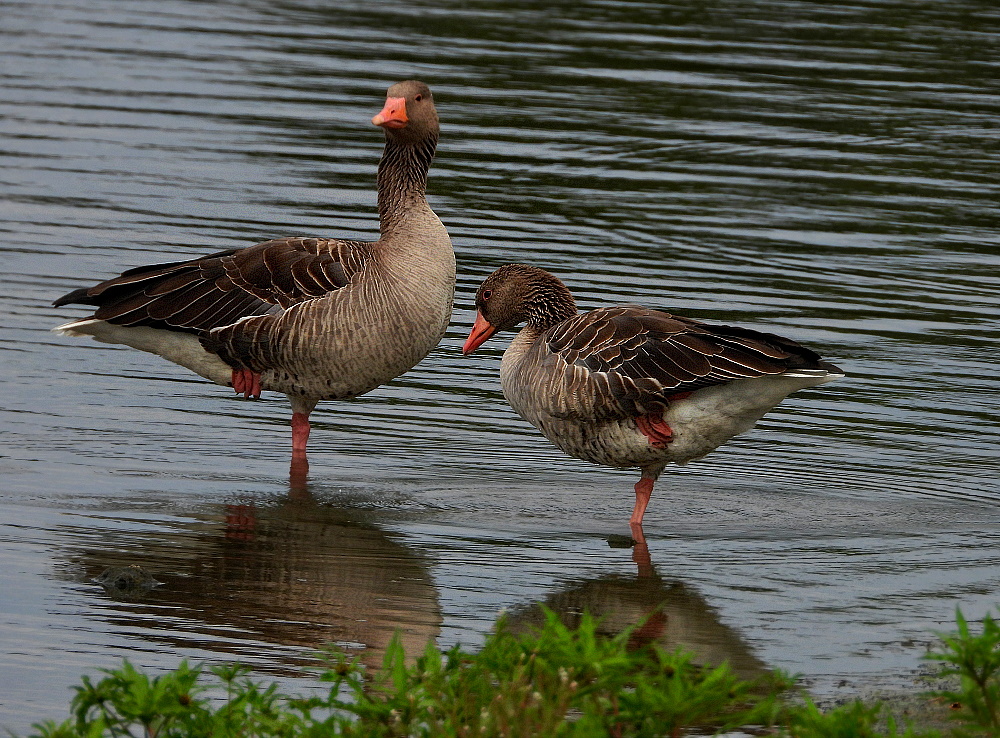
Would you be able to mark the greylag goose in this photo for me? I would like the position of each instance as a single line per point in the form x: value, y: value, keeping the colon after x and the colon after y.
x: 314, y: 318
x: 628, y: 386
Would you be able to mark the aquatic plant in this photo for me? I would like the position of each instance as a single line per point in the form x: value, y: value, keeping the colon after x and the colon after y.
x: 852, y: 720
x: 975, y: 660
x: 558, y: 681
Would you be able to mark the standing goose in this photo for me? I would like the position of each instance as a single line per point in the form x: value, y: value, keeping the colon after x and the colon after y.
x: 315, y: 318
x: 628, y: 386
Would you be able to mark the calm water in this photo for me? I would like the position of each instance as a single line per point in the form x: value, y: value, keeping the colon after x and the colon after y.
x: 824, y: 171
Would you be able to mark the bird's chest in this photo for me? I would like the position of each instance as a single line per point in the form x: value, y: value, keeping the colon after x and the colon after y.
x: 563, y: 411
x: 363, y: 338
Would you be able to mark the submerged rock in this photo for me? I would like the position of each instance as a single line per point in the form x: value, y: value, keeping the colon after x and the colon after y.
x: 126, y: 582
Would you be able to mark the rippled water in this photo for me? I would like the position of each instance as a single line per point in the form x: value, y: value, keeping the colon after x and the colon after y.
x: 824, y: 171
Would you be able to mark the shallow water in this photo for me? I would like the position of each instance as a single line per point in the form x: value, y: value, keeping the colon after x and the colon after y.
x: 827, y: 172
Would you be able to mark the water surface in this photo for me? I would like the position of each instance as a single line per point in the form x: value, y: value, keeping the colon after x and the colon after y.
x: 823, y: 171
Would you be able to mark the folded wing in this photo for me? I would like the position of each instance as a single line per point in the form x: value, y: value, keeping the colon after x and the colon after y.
x: 632, y: 360
x: 198, y: 295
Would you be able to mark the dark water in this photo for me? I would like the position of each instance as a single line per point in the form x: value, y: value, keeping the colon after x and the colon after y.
x: 824, y: 171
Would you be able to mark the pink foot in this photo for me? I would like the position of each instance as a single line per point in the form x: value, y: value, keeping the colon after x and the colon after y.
x: 246, y: 382
x: 656, y: 431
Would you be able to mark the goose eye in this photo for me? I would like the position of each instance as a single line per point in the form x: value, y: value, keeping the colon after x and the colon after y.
x: 487, y: 294
x: 418, y: 98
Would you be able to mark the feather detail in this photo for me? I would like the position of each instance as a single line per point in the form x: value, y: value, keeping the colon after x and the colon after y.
x: 218, y: 290
x: 644, y: 356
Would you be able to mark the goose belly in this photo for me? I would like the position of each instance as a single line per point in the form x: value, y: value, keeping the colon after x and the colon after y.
x: 345, y: 370
x: 342, y: 354
x: 711, y: 416
x: 616, y: 443
x: 700, y: 423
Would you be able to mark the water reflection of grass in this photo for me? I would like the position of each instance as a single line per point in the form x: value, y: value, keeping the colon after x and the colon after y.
x: 557, y: 681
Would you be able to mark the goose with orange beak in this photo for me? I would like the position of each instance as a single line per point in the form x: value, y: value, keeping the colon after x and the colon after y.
x: 307, y: 317
x: 630, y: 387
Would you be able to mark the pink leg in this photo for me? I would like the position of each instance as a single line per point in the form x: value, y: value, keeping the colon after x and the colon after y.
x: 300, y: 433
x: 246, y: 382
x: 640, y: 552
x: 643, y: 491
x: 656, y: 431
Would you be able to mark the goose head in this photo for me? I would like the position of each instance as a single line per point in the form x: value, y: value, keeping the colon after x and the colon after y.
x: 409, y: 114
x: 515, y: 294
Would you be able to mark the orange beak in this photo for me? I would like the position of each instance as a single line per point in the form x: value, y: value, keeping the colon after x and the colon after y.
x: 481, y: 330
x: 393, y: 115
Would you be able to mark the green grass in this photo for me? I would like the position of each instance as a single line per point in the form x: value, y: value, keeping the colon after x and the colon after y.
x: 558, y: 681
x: 975, y: 660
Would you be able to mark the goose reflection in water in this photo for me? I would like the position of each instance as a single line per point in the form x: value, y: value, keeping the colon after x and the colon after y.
x: 291, y: 574
x: 668, y: 612
x: 275, y: 581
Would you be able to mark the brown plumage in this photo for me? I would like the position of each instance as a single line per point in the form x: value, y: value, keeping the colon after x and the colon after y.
x: 315, y: 318
x: 219, y: 289
x: 628, y: 386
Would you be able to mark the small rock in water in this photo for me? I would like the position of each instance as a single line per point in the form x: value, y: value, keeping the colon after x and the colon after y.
x: 126, y: 582
x: 619, y: 541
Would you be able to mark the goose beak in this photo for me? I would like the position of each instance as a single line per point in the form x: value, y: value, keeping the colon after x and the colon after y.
x: 393, y: 115
x: 481, y: 330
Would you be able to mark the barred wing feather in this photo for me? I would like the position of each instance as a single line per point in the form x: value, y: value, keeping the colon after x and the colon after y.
x: 217, y: 290
x: 633, y: 359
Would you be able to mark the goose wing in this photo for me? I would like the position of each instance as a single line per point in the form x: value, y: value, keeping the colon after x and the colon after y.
x: 629, y: 361
x: 209, y: 292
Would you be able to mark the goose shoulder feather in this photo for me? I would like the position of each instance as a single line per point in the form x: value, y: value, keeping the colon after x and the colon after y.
x: 620, y: 362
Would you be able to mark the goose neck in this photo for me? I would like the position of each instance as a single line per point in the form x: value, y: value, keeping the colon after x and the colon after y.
x: 553, y: 305
x: 402, y: 180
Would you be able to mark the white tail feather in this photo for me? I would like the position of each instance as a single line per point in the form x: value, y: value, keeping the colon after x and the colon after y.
x: 181, y: 348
